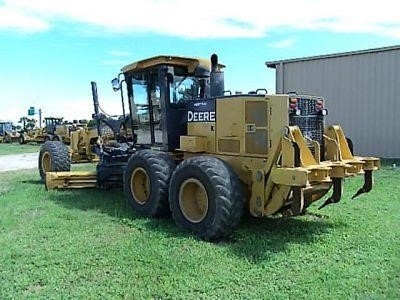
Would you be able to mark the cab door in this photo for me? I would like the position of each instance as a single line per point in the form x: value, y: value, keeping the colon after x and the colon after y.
x: 179, y: 91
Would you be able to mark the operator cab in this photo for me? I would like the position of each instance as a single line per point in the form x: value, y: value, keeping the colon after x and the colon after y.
x: 5, y: 126
x: 158, y: 91
x: 51, y: 123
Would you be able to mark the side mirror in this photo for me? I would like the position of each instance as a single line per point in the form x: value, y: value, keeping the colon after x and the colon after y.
x: 115, y: 84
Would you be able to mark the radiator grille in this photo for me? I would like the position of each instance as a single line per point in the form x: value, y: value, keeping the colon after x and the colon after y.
x: 312, y: 128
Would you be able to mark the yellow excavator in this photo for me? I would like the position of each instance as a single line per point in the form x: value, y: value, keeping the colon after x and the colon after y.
x: 205, y: 155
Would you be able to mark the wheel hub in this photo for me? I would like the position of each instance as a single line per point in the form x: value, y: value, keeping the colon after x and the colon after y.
x: 193, y: 200
x: 46, y: 162
x: 140, y: 185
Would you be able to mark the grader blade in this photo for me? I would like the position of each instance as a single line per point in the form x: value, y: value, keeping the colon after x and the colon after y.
x: 70, y: 180
x: 337, y: 192
x: 368, y: 182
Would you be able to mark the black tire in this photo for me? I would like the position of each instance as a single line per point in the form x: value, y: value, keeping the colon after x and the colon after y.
x: 47, y: 138
x: 21, y: 139
x: 146, y: 182
x: 224, y: 192
x: 53, y: 157
x: 56, y: 138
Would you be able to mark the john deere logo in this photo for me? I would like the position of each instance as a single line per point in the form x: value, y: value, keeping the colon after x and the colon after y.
x: 201, y: 116
x: 201, y: 111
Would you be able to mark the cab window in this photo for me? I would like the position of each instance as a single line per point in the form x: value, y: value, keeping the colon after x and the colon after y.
x: 182, y: 89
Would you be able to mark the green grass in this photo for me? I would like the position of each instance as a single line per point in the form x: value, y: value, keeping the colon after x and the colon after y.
x: 89, y: 244
x: 16, y: 148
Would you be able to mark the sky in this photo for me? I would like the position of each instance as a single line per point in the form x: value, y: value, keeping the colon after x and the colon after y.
x: 50, y: 50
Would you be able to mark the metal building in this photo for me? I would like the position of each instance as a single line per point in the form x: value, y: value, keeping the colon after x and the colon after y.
x: 362, y: 93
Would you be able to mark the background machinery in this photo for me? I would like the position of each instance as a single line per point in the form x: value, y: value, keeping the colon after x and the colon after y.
x: 8, y: 132
x: 206, y: 156
x: 53, y: 130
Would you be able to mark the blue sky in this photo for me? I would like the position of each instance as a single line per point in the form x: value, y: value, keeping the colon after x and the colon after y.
x: 50, y: 50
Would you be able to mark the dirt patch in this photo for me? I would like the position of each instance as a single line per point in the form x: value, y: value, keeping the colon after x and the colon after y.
x: 14, y: 162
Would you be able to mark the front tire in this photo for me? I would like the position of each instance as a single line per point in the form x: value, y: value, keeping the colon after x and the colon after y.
x: 146, y: 181
x: 206, y: 197
x: 53, y: 157
x: 21, y: 140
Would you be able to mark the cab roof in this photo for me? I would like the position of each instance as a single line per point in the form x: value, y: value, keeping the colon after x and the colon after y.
x: 190, y: 62
x: 53, y: 118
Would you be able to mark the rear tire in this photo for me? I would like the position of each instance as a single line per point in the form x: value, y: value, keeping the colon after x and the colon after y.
x: 53, y: 157
x: 146, y: 181
x: 206, y: 197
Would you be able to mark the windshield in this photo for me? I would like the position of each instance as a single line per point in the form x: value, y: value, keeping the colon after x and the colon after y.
x: 182, y: 89
x: 6, y: 126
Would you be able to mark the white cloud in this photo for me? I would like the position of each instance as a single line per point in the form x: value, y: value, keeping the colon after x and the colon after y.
x: 287, y: 43
x: 209, y: 18
x: 17, y: 20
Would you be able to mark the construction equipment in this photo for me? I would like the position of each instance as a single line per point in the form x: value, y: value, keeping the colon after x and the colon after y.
x: 206, y: 156
x: 81, y: 141
x: 54, y: 130
x: 58, y: 156
x: 8, y: 132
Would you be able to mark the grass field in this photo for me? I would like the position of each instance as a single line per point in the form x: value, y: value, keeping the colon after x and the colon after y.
x: 88, y: 244
x: 16, y: 148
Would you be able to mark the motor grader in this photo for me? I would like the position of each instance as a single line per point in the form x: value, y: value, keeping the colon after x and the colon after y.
x: 8, y: 132
x: 78, y: 137
x: 53, y: 130
x: 206, y: 156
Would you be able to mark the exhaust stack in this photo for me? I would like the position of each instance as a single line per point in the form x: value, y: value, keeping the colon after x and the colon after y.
x: 217, y: 85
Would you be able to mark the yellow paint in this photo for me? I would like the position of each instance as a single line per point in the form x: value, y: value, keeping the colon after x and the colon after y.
x: 70, y: 180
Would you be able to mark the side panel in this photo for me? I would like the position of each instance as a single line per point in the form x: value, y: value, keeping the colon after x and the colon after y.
x: 278, y: 107
x: 204, y: 129
x: 246, y: 126
x: 243, y: 126
x: 230, y: 125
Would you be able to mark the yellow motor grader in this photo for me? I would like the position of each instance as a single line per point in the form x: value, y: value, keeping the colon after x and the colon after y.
x: 53, y: 130
x: 206, y: 156
x: 8, y: 132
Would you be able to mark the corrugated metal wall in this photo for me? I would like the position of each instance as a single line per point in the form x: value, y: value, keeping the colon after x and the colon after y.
x: 362, y: 93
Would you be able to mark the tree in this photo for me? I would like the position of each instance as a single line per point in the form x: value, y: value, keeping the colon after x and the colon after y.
x: 27, y: 123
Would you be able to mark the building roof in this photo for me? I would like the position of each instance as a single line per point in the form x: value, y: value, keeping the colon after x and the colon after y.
x: 272, y: 64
